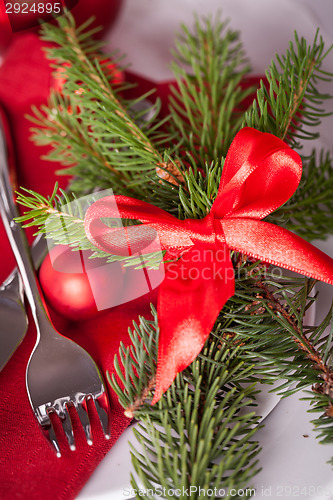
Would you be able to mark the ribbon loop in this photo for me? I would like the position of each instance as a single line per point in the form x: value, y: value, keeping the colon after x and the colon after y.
x: 260, y: 173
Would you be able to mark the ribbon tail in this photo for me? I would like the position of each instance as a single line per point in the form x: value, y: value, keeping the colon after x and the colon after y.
x: 191, y: 296
x: 278, y: 246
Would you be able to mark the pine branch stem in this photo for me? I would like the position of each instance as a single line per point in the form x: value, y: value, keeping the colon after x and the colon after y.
x: 304, y: 344
x: 121, y: 111
x: 52, y: 211
x: 298, y: 97
x: 141, y: 399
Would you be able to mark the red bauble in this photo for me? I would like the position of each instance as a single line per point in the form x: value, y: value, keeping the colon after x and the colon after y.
x: 105, y: 12
x: 77, y: 287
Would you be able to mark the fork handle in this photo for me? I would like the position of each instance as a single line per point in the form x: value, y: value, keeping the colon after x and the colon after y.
x: 18, y: 240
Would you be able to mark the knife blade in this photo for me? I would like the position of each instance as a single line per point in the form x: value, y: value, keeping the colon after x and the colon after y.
x: 13, y: 317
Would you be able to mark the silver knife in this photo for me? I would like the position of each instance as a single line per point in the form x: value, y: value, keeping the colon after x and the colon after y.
x: 13, y: 317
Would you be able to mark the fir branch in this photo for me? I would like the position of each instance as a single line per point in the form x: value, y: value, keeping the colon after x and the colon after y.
x: 206, y: 104
x: 201, y: 192
x: 203, y: 423
x: 60, y: 218
x: 284, y: 314
x: 275, y: 340
x: 134, y: 384
x: 60, y: 124
x: 91, y: 127
x: 73, y: 50
x: 309, y: 212
x: 261, y: 328
x: 323, y: 405
x: 259, y: 336
x: 292, y: 104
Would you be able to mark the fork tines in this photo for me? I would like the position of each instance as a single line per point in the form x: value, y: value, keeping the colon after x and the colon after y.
x: 61, y: 407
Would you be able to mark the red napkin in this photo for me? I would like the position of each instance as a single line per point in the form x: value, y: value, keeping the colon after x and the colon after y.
x: 28, y: 466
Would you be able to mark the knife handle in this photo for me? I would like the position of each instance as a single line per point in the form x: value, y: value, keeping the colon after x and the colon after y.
x: 38, y: 252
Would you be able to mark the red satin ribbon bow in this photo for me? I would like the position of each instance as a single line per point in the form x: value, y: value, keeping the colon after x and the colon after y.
x: 260, y: 173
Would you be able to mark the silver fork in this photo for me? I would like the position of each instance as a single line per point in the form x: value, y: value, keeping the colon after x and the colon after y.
x: 60, y: 373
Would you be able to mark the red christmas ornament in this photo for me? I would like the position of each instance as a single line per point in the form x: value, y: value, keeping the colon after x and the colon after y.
x: 105, y: 12
x: 78, y: 287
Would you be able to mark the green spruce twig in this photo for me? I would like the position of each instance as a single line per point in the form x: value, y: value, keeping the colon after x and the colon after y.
x: 209, y: 66
x: 292, y: 105
x: 91, y: 127
x: 262, y: 328
x: 201, y: 432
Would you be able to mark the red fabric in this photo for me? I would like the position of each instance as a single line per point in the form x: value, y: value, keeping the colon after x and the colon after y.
x: 260, y: 174
x: 28, y: 466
